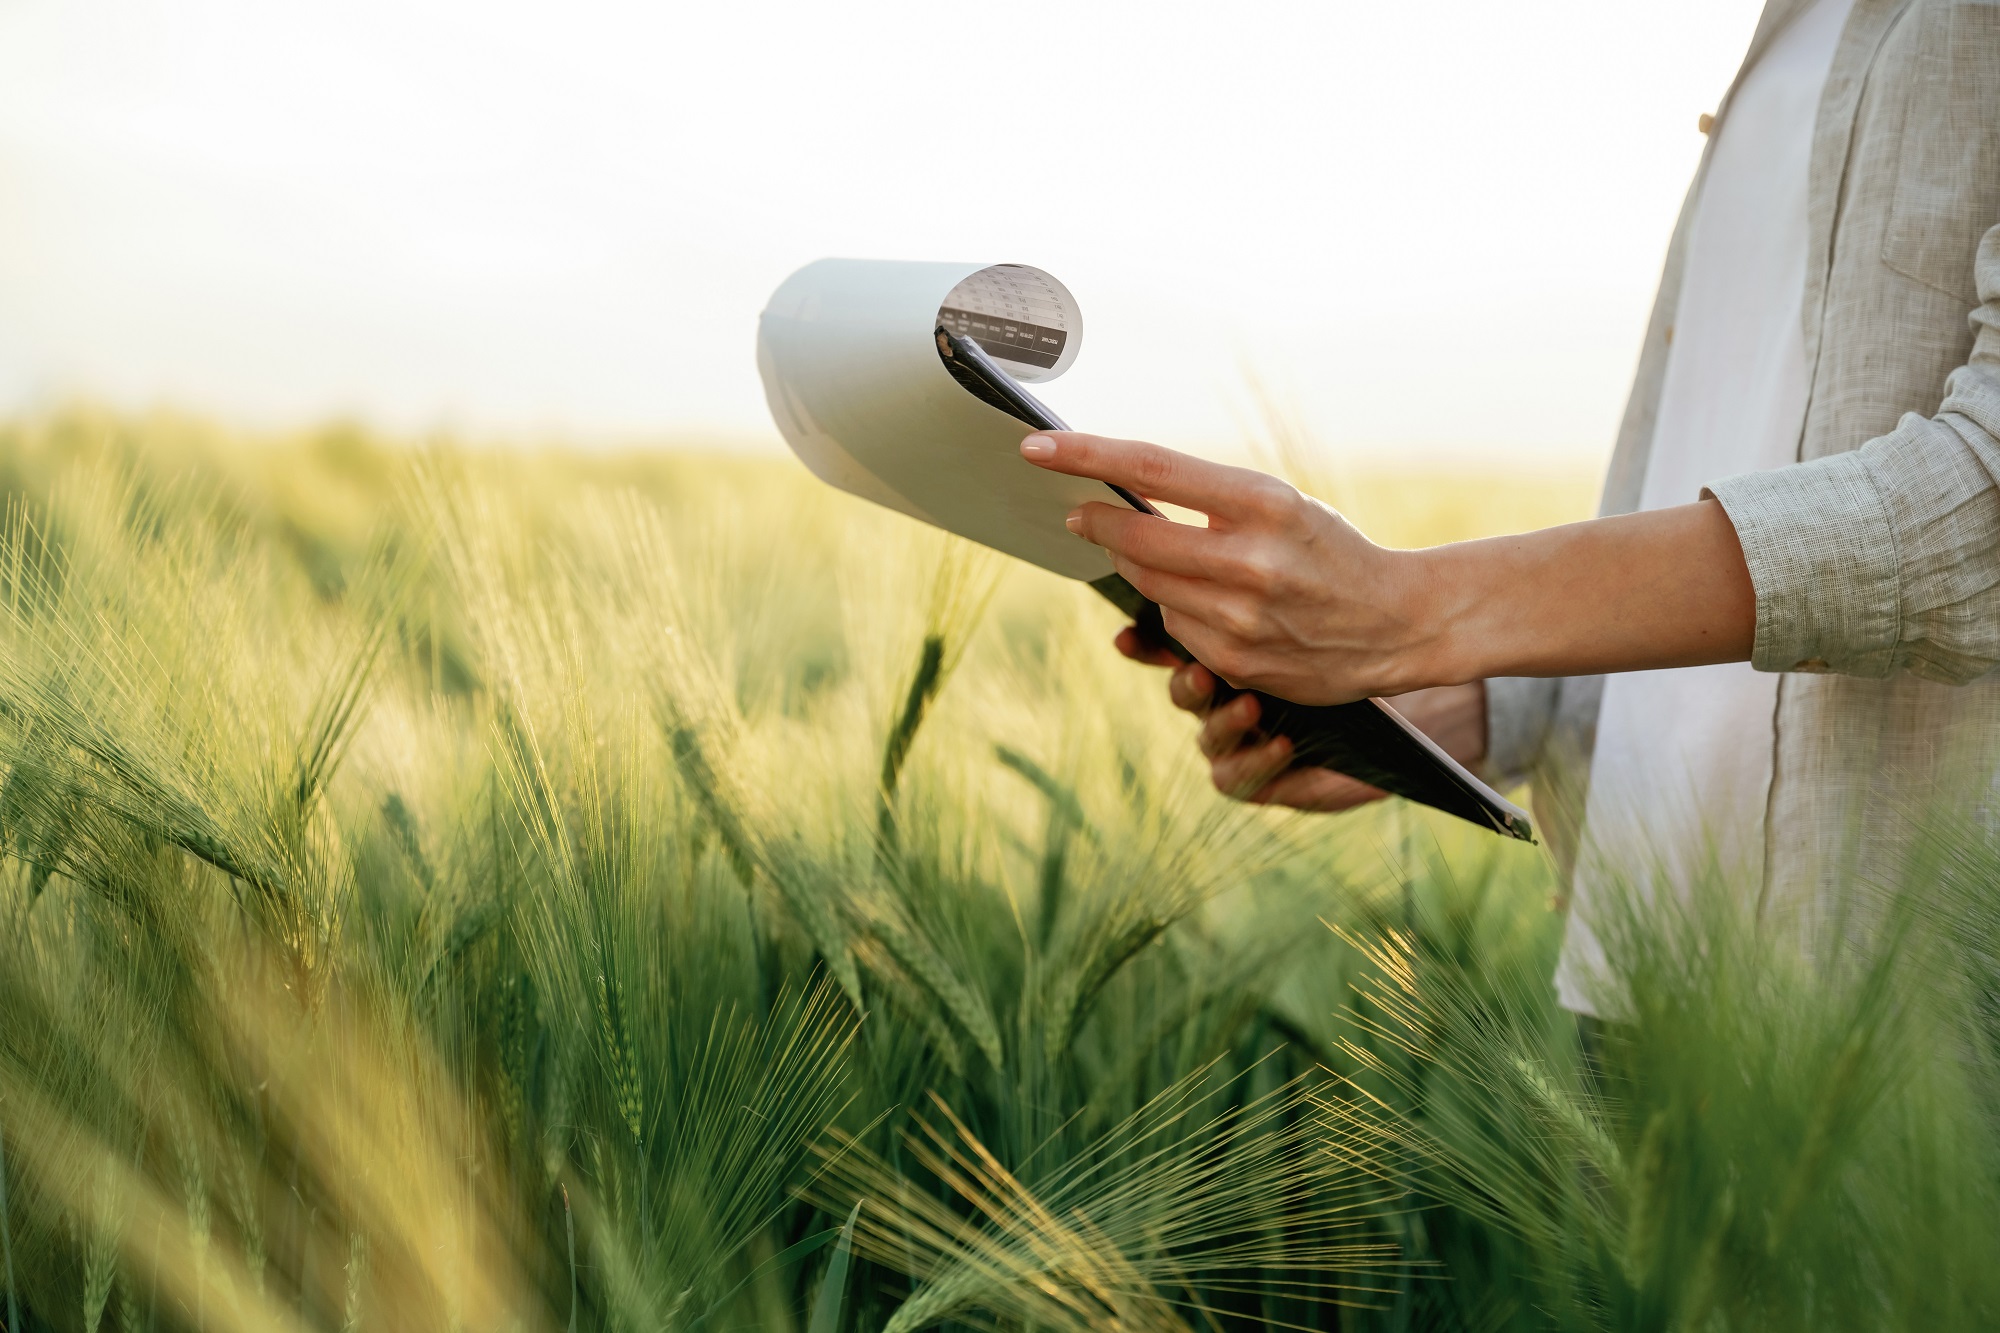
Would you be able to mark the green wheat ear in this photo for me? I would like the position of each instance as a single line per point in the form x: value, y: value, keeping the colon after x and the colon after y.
x: 925, y: 682
x: 618, y: 1053
x: 355, y: 1283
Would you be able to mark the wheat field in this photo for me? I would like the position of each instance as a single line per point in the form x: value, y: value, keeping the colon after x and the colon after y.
x: 521, y: 888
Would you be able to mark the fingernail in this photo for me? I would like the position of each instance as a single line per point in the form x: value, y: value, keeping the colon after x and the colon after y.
x: 1038, y: 446
x: 1075, y: 520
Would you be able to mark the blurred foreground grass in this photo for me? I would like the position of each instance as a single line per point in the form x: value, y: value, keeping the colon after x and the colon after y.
x: 454, y: 889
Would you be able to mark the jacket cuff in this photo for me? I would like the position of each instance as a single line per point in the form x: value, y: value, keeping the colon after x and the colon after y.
x: 1822, y: 555
x: 1519, y: 712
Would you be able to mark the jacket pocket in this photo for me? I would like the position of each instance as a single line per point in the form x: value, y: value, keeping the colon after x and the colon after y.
x: 1948, y: 161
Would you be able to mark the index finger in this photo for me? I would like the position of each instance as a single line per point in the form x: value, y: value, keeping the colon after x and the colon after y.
x: 1152, y: 471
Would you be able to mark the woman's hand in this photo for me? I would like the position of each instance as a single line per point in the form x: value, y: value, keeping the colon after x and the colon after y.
x: 1281, y: 594
x: 1277, y: 593
x: 1254, y: 768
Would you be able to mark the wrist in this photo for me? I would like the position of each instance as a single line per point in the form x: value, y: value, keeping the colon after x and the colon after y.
x: 1442, y: 644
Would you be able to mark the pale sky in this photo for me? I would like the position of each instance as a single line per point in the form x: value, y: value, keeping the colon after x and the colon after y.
x: 1426, y: 228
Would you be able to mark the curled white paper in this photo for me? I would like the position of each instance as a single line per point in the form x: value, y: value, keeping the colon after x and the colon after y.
x: 848, y: 352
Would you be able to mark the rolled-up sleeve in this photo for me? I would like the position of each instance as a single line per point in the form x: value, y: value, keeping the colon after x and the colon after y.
x: 1888, y: 558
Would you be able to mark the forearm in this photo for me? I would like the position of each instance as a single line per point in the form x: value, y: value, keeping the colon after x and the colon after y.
x: 1663, y: 588
x: 1280, y: 593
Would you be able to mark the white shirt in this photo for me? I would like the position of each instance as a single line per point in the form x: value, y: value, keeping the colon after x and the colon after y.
x: 1682, y: 770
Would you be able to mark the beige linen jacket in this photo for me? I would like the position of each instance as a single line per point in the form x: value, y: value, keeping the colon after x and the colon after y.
x: 1876, y: 557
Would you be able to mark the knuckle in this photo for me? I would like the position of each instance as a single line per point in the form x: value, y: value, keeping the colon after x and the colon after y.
x: 1138, y: 538
x: 1273, y: 497
x: 1238, y: 619
x: 1154, y: 467
x: 1227, y: 661
x: 1258, y: 571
